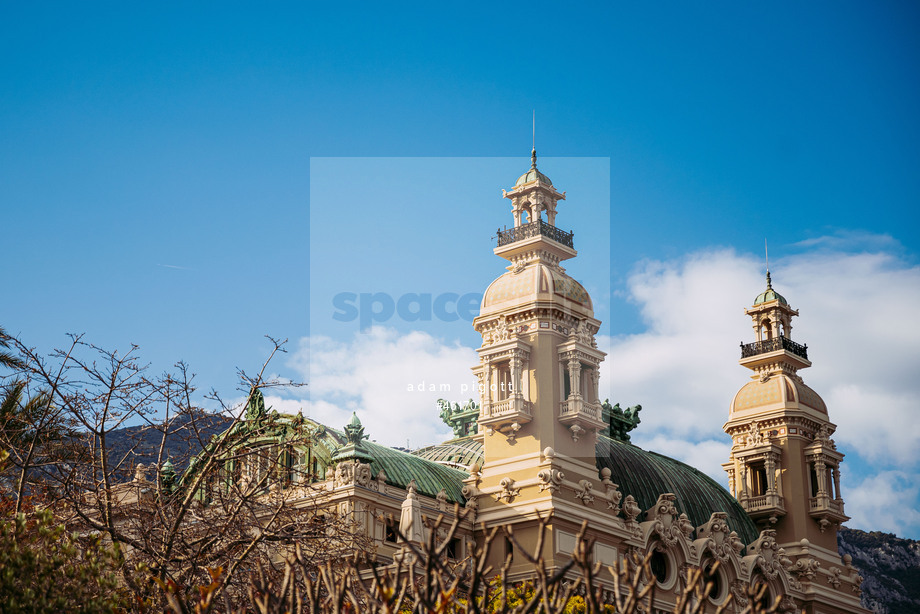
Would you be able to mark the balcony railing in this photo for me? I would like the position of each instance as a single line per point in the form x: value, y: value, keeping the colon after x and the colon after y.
x: 763, y: 502
x: 578, y: 406
x: 509, y: 406
x: 772, y: 345
x: 532, y: 229
x: 825, y: 503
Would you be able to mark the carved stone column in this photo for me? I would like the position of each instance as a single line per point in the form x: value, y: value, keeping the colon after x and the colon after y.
x: 487, y: 392
x: 595, y: 382
x: 516, y: 365
x: 742, y: 473
x: 575, y: 377
x: 837, y: 484
x: 821, y: 474
x: 770, y: 470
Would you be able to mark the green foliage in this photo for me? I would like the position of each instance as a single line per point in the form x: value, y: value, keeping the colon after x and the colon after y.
x: 45, y: 569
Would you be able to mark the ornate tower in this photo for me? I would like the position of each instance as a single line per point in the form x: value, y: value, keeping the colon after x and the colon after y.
x: 538, y: 364
x: 784, y: 468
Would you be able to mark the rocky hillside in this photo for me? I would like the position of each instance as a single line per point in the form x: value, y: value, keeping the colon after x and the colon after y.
x: 890, y: 567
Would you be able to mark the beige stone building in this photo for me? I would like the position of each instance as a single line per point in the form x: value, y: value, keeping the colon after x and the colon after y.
x: 541, y: 443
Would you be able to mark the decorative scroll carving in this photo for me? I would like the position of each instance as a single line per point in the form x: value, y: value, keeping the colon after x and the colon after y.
x: 584, y: 492
x: 550, y: 479
x: 834, y: 578
x: 805, y: 568
x: 577, y: 432
x: 766, y: 552
x: 716, y: 532
x: 508, y: 492
x: 471, y: 494
x: 663, y: 514
x: 614, y: 496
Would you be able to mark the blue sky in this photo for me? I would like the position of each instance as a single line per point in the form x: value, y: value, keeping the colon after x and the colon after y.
x: 168, y: 174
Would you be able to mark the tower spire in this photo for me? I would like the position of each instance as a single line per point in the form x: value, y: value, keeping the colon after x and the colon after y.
x: 533, y: 149
x: 766, y: 254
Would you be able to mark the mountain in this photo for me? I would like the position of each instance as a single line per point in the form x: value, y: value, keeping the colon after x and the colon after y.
x: 890, y: 567
x: 187, y: 435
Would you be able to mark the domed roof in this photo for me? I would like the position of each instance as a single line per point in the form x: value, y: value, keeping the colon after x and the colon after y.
x: 537, y: 281
x: 458, y: 453
x: 780, y: 391
x: 532, y: 175
x: 769, y: 294
x: 644, y: 475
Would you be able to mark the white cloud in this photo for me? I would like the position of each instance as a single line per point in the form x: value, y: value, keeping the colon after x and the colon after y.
x: 884, y: 502
x: 392, y: 381
x: 706, y: 455
x: 857, y: 319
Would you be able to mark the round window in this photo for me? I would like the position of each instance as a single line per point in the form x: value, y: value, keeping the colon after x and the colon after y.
x: 661, y: 567
x: 715, y: 580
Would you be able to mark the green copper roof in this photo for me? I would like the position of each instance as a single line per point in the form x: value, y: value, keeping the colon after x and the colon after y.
x: 769, y: 294
x: 645, y: 475
x: 454, y: 453
x: 402, y: 467
x: 533, y: 174
x: 639, y: 473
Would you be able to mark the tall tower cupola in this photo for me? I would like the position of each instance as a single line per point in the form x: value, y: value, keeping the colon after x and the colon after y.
x: 784, y: 467
x: 538, y: 368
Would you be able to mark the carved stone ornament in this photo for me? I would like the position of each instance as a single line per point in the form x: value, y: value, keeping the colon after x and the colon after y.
x: 512, y: 431
x: 715, y: 531
x: 471, y: 494
x: 344, y: 473
x: 631, y: 510
x: 834, y: 578
x: 754, y: 436
x: 739, y: 592
x: 787, y: 604
x: 736, y: 543
x: 550, y: 479
x: 577, y: 432
x: 685, y: 526
x: 663, y: 515
x: 612, y: 492
x: 581, y: 332
x: 767, y: 554
x: 362, y: 474
x: 583, y: 492
x: 805, y: 569
x: 508, y: 492
x: 442, y: 500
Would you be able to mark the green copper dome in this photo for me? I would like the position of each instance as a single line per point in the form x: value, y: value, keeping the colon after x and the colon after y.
x: 533, y: 174
x: 769, y: 294
x: 644, y: 475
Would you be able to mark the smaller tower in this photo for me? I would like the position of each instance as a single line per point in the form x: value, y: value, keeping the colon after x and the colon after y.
x: 784, y: 467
